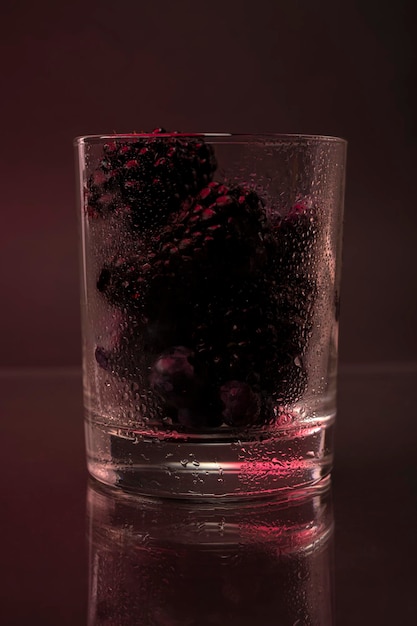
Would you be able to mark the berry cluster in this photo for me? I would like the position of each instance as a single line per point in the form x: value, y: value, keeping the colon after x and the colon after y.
x: 148, y: 179
x: 219, y: 302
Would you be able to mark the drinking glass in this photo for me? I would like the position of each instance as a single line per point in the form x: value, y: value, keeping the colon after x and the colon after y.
x: 210, y: 304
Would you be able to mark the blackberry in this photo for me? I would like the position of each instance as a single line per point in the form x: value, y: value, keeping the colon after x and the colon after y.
x: 295, y: 245
x: 148, y: 178
x: 148, y: 297
x: 210, y: 269
x: 296, y: 238
x: 208, y: 286
x: 123, y: 281
x: 237, y: 335
x: 222, y: 230
x: 219, y: 239
x: 295, y: 306
x: 222, y: 306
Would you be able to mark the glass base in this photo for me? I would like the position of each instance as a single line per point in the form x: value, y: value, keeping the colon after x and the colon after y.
x: 189, y: 467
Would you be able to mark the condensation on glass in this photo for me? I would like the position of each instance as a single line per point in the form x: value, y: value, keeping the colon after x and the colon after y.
x: 210, y: 271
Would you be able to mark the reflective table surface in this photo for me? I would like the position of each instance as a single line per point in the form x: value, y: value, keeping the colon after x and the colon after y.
x: 75, y: 553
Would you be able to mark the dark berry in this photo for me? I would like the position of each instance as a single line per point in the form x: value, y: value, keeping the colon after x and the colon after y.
x: 293, y: 268
x: 219, y: 294
x: 237, y: 334
x: 223, y: 230
x: 295, y: 306
x: 206, y: 254
x: 133, y: 285
x: 180, y: 386
x: 173, y: 376
x: 103, y: 358
x: 241, y: 406
x: 219, y: 279
x: 208, y: 282
x: 149, y: 177
x: 123, y: 281
x: 296, y: 239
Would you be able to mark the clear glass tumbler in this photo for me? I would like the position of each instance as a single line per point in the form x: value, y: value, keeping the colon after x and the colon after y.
x: 210, y: 300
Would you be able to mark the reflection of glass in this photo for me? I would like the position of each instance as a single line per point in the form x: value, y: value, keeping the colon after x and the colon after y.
x: 210, y: 279
x: 166, y: 563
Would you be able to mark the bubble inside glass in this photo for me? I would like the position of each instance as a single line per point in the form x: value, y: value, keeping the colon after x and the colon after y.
x: 210, y: 300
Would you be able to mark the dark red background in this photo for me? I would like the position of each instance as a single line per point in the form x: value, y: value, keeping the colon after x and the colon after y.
x: 330, y: 67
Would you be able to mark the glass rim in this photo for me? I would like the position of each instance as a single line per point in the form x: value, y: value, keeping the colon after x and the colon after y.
x: 239, y: 138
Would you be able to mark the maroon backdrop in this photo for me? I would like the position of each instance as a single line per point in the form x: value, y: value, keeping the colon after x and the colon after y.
x: 330, y: 67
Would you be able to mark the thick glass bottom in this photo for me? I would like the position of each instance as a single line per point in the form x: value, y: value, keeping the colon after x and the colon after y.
x: 206, y: 467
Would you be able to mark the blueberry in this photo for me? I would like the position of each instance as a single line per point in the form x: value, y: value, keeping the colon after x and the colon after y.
x: 103, y: 358
x: 174, y: 378
x: 182, y: 385
x: 241, y: 405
